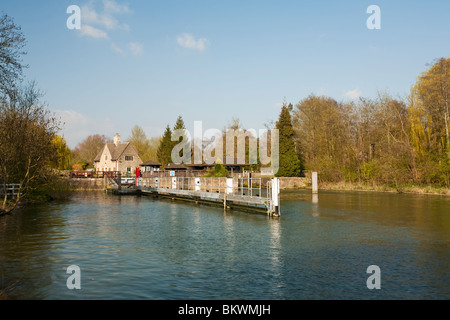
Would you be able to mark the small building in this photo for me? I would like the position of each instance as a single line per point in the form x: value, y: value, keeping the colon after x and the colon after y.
x: 150, y: 168
x: 175, y: 167
x: 199, y: 168
x: 118, y: 156
x: 237, y: 168
x: 175, y: 170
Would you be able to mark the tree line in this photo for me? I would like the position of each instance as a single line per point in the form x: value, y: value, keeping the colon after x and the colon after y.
x: 83, y: 155
x: 384, y: 140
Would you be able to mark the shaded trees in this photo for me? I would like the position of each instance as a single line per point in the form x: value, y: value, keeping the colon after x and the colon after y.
x: 164, y: 152
x: 430, y: 123
x: 367, y: 141
x: 321, y: 127
x: 27, y: 133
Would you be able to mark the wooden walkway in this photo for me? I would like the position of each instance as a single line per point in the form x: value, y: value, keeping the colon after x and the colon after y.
x: 245, y: 194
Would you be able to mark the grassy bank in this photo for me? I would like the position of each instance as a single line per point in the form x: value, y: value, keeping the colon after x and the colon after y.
x: 408, y: 188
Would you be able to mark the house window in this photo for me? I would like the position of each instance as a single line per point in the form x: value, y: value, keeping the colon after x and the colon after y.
x: 128, y: 158
x: 106, y: 157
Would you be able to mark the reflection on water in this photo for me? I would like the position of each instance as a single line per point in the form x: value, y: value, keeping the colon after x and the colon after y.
x: 141, y: 248
x: 315, y: 207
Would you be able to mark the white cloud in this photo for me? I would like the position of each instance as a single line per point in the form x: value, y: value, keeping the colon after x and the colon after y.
x: 136, y: 48
x: 95, y: 23
x: 104, y: 19
x: 114, y: 7
x: 187, y: 40
x: 117, y: 49
x: 93, y: 32
x: 353, y: 94
x: 100, y: 18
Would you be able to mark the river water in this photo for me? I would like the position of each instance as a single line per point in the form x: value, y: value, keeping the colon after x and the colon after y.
x: 130, y: 247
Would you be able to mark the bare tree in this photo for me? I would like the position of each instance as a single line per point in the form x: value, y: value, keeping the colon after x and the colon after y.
x: 88, y: 149
x: 12, y: 43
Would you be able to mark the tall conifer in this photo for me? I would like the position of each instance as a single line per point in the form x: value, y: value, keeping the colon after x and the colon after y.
x: 290, y: 165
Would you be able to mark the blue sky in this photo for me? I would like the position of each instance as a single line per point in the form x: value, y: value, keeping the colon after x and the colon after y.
x: 146, y: 62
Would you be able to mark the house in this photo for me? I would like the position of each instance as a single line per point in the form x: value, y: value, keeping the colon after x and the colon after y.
x: 118, y: 156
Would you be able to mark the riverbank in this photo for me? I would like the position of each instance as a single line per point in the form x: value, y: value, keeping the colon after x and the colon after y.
x: 295, y: 183
x: 415, y: 189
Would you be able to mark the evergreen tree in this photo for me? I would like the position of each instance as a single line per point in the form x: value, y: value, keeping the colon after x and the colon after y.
x: 179, y: 125
x: 290, y: 165
x: 164, y: 153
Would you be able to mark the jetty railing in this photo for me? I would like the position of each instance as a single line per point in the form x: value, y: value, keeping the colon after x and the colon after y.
x: 253, y: 193
x: 12, y: 190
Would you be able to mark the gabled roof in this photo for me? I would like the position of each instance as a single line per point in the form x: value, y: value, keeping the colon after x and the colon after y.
x: 116, y: 151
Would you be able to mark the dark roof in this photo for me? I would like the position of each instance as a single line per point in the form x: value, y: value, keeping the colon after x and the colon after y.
x: 237, y: 165
x: 173, y: 166
x: 150, y: 163
x: 200, y: 165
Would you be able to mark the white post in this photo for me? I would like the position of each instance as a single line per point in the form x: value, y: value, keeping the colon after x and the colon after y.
x: 315, y: 185
x: 276, y: 196
x: 197, y: 184
x: 229, y: 189
x: 174, y: 182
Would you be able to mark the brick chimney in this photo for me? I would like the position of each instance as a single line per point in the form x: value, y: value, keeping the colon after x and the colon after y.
x: 116, y: 139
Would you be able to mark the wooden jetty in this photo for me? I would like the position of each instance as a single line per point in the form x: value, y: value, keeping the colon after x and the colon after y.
x: 245, y: 194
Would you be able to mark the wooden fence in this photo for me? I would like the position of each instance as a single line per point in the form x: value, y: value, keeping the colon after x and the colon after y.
x: 12, y: 190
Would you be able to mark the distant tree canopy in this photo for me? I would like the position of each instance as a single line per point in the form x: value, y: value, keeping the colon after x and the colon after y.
x: 87, y: 150
x: 146, y: 148
x: 383, y: 140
